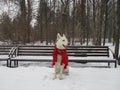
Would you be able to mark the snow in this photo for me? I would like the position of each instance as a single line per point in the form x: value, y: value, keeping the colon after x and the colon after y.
x: 40, y: 78
x: 4, y: 57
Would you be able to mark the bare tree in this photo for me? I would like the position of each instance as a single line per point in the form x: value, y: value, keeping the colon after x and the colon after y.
x: 29, y: 18
x: 65, y: 14
x: 118, y: 31
x: 94, y: 23
x: 105, y: 22
x: 73, y: 23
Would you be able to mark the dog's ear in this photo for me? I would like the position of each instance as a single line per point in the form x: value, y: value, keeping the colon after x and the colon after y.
x: 58, y: 36
x: 64, y: 35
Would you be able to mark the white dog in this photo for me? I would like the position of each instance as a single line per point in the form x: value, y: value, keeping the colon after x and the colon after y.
x: 60, y: 57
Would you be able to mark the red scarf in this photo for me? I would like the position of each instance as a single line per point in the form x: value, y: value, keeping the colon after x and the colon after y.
x: 63, y: 53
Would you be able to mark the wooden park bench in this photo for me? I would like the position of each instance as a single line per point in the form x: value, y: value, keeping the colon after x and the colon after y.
x: 5, y: 53
x: 79, y: 54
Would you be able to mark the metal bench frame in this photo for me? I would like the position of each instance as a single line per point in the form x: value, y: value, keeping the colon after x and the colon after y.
x: 6, y: 50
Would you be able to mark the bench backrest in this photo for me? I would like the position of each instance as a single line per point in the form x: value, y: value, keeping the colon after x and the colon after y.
x: 35, y: 50
x: 5, y: 50
x: 82, y: 51
x: 91, y: 51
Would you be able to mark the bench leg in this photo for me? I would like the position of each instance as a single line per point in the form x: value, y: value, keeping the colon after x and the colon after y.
x: 16, y: 63
x: 8, y: 63
x: 109, y: 64
x: 13, y: 64
x: 115, y: 64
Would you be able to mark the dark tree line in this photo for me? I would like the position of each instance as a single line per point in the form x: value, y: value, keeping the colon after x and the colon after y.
x: 83, y: 21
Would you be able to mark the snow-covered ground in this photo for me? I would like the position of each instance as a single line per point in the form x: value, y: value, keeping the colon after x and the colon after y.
x: 40, y: 78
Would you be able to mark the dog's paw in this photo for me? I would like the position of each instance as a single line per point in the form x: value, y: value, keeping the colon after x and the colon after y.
x: 67, y: 74
x: 61, y: 78
x: 54, y: 77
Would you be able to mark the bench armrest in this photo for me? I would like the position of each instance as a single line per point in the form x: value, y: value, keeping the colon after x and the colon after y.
x: 13, y: 52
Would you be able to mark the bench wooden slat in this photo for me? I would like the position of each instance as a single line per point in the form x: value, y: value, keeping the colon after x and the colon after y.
x: 5, y: 50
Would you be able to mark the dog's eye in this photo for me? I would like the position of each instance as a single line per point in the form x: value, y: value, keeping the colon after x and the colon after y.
x: 63, y: 40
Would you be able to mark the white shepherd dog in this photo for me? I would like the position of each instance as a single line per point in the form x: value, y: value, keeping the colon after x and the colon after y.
x: 60, y: 57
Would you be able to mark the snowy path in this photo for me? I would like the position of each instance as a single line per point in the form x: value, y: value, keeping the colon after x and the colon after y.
x: 40, y: 78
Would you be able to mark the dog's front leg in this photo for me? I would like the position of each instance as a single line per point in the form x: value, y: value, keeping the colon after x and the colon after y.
x: 66, y: 71
x: 61, y: 72
x: 55, y: 71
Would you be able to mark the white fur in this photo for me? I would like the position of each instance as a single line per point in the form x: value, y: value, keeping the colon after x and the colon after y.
x: 61, y: 43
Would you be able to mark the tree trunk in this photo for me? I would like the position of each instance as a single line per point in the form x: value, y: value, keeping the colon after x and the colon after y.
x: 94, y: 23
x: 88, y: 29
x: 83, y: 20
x: 106, y: 16
x: 102, y: 7
x: 73, y: 23
x: 117, y: 31
x: 46, y: 23
x: 29, y: 18
x: 23, y: 21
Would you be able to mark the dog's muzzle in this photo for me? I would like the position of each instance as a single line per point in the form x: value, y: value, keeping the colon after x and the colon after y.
x: 64, y: 46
